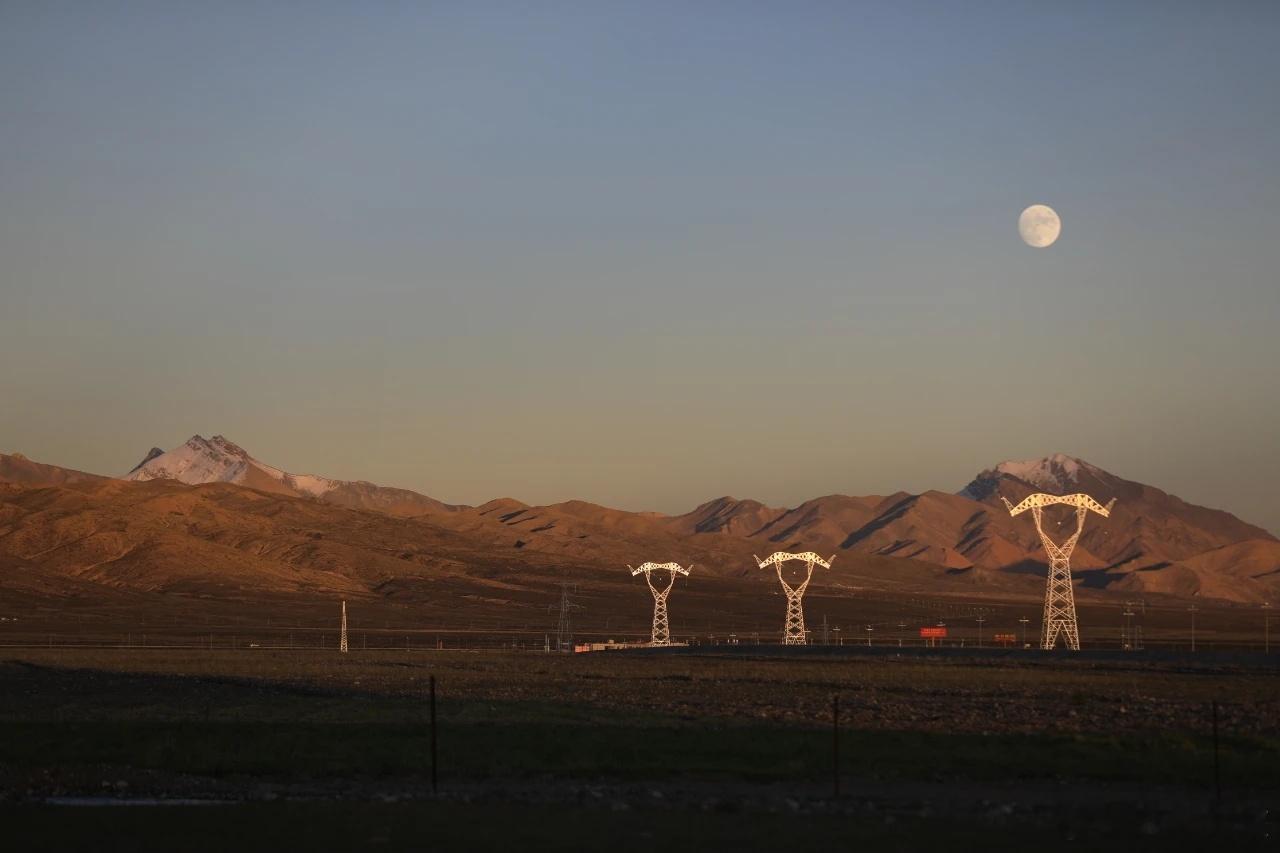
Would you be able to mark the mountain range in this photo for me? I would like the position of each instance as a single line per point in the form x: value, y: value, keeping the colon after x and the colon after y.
x: 207, y: 515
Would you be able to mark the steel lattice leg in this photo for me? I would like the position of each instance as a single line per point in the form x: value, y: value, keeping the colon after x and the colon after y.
x: 794, y: 632
x: 661, y: 628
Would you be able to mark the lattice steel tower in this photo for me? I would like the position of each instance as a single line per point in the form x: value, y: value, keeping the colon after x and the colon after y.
x: 793, y: 631
x: 661, y: 628
x: 342, y: 637
x: 564, y: 628
x: 1059, y: 599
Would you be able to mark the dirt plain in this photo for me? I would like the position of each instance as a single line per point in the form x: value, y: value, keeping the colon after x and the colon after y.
x: 931, y: 746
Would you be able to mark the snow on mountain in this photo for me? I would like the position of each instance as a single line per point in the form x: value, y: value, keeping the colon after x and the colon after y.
x: 1056, y: 474
x: 218, y: 460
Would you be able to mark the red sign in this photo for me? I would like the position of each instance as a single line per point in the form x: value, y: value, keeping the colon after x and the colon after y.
x: 933, y: 633
x: 1006, y: 638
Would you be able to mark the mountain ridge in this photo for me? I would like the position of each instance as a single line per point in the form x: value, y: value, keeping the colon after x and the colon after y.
x: 199, y: 460
x: 1152, y: 541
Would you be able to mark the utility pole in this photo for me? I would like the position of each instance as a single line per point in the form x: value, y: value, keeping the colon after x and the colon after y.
x: 826, y: 633
x: 342, y: 636
x: 1193, y: 610
x: 902, y: 627
x: 1266, y: 627
x: 564, y: 628
x: 1024, y: 620
x: 869, y: 630
x: 1127, y: 640
x: 981, y: 619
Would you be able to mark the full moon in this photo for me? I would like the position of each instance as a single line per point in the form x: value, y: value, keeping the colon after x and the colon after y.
x: 1039, y: 226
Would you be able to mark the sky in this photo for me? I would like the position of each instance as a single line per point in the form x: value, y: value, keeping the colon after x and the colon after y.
x: 646, y: 254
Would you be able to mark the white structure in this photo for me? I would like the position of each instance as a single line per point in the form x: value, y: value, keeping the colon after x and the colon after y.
x: 661, y: 628
x: 1059, y: 599
x: 793, y: 632
x: 342, y: 637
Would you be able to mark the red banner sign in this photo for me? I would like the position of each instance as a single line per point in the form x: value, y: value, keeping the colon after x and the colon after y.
x: 933, y: 633
x: 1006, y: 638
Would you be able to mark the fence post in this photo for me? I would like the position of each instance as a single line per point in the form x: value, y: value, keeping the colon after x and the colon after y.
x: 835, y: 745
x: 1217, y: 775
x: 435, y: 779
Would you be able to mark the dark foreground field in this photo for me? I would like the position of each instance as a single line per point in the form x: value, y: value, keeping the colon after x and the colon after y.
x: 621, y: 751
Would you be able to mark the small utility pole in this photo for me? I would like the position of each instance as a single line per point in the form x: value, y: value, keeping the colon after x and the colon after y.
x: 1193, y: 610
x: 1266, y: 627
x: 981, y: 619
x: 342, y: 636
x: 869, y: 630
x: 1024, y: 620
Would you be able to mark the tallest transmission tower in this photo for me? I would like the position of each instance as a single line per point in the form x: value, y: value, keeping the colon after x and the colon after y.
x: 1059, y: 599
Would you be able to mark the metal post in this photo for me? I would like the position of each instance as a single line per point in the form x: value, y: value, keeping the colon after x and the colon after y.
x: 835, y: 745
x: 1217, y: 776
x: 435, y: 779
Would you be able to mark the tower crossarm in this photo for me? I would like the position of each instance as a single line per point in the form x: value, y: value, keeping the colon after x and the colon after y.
x: 779, y: 557
x: 674, y: 568
x: 1038, y: 501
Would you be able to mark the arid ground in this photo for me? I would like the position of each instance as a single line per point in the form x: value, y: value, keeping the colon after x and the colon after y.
x: 676, y: 749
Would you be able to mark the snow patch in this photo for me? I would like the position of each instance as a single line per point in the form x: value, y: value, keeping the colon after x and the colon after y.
x: 1056, y: 470
x: 1058, y: 473
x: 217, y: 460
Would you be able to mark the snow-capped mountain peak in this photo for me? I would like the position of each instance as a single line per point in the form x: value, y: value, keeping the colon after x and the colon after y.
x: 198, y: 460
x: 202, y: 460
x: 219, y: 460
x: 1055, y: 474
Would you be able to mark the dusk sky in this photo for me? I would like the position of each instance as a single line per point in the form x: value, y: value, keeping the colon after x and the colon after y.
x: 646, y: 254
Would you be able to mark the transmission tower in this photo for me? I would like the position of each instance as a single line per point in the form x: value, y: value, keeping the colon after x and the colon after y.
x: 661, y: 628
x: 1059, y: 599
x: 564, y: 628
x: 342, y: 636
x: 793, y: 631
